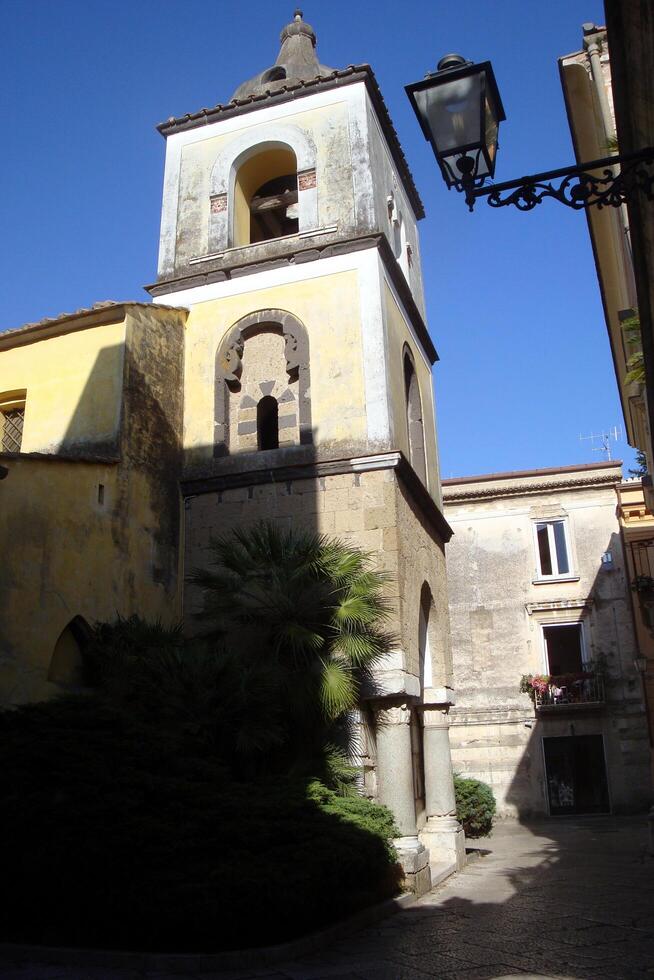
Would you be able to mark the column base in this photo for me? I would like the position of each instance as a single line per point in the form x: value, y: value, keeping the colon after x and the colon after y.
x: 414, y: 859
x: 444, y: 838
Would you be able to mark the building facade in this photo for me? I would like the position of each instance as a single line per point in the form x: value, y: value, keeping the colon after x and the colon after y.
x: 586, y: 79
x: 540, y: 599
x: 90, y: 522
x: 300, y: 385
x: 637, y: 527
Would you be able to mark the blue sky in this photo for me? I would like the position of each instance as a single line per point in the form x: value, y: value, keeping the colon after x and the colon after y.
x: 513, y: 301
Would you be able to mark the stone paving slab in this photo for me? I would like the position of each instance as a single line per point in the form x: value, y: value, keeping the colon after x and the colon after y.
x: 571, y: 899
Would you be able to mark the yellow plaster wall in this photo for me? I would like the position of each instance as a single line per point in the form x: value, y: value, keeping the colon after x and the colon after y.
x: 68, y: 549
x: 328, y: 306
x: 399, y: 334
x: 73, y: 385
x: 64, y: 555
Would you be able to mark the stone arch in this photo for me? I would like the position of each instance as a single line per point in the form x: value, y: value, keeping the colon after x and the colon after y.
x: 415, y: 425
x: 238, y: 152
x: 434, y: 657
x: 66, y: 662
x: 229, y: 368
x: 424, y: 642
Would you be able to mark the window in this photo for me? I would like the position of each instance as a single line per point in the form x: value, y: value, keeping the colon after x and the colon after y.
x: 552, y: 552
x: 564, y: 648
x: 12, y: 418
x: 268, y: 423
x: 414, y: 418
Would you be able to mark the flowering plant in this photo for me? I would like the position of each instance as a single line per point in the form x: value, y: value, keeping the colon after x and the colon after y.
x: 532, y: 683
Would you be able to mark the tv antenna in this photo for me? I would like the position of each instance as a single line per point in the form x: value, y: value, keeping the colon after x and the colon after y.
x: 604, y: 439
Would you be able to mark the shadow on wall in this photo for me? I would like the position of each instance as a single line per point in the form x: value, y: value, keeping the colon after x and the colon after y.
x: 588, y: 750
x: 99, y: 521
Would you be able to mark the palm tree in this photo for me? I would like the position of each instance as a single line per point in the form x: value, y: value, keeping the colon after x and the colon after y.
x: 307, y: 614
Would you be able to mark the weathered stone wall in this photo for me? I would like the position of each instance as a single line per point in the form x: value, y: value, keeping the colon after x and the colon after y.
x: 358, y: 508
x: 421, y: 560
x: 370, y: 510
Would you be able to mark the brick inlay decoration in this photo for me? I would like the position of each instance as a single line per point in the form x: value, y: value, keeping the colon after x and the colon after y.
x: 306, y: 180
x: 218, y: 203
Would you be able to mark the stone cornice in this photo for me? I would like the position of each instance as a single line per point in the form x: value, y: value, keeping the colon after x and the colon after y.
x: 99, y: 314
x: 552, y: 605
x: 311, y: 253
x: 454, y: 494
x: 59, y: 458
x: 324, y: 468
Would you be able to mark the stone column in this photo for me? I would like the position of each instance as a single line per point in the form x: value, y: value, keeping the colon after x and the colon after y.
x: 395, y: 790
x: 442, y: 833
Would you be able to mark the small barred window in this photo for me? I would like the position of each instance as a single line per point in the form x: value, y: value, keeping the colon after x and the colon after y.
x: 12, y: 418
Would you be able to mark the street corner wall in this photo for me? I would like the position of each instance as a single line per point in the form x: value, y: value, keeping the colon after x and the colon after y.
x: 151, y: 440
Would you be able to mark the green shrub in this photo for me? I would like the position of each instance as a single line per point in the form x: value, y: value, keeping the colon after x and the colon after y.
x: 116, y: 836
x: 475, y: 806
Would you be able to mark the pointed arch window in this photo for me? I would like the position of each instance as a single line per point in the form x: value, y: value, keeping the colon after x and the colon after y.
x: 268, y: 423
x: 414, y: 417
x: 66, y: 661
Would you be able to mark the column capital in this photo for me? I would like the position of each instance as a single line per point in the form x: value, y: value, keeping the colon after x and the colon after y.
x: 393, y: 712
x: 435, y: 717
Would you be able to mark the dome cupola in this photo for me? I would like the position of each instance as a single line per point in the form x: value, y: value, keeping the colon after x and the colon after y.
x: 297, y: 61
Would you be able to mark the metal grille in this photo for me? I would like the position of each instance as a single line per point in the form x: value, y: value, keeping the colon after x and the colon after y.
x: 586, y: 688
x: 642, y: 553
x: 12, y: 430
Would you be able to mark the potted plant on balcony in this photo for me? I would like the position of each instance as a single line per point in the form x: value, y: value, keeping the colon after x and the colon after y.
x: 533, y: 684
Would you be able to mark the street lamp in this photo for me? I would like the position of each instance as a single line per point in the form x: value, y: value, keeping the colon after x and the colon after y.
x: 459, y: 110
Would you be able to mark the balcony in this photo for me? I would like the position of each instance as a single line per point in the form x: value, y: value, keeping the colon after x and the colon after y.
x: 570, y: 691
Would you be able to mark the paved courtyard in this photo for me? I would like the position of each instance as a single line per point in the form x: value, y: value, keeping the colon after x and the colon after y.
x: 567, y: 899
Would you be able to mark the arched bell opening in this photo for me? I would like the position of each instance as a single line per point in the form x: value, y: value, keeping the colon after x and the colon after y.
x: 266, y: 197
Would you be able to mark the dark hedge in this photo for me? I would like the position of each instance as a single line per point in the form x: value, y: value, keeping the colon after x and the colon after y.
x: 117, y: 837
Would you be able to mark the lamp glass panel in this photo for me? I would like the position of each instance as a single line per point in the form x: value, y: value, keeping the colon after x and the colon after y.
x: 491, y: 125
x: 451, y: 110
x: 451, y: 160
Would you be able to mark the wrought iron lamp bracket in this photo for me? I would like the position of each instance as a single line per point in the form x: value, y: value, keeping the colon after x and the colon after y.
x: 578, y: 187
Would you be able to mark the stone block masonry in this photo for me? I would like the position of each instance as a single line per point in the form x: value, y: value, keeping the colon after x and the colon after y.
x: 357, y: 508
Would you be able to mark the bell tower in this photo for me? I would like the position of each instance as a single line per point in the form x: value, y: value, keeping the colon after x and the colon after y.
x: 289, y: 231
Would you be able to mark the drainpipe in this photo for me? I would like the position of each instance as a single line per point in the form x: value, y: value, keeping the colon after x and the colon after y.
x: 592, y: 39
x: 591, y: 42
